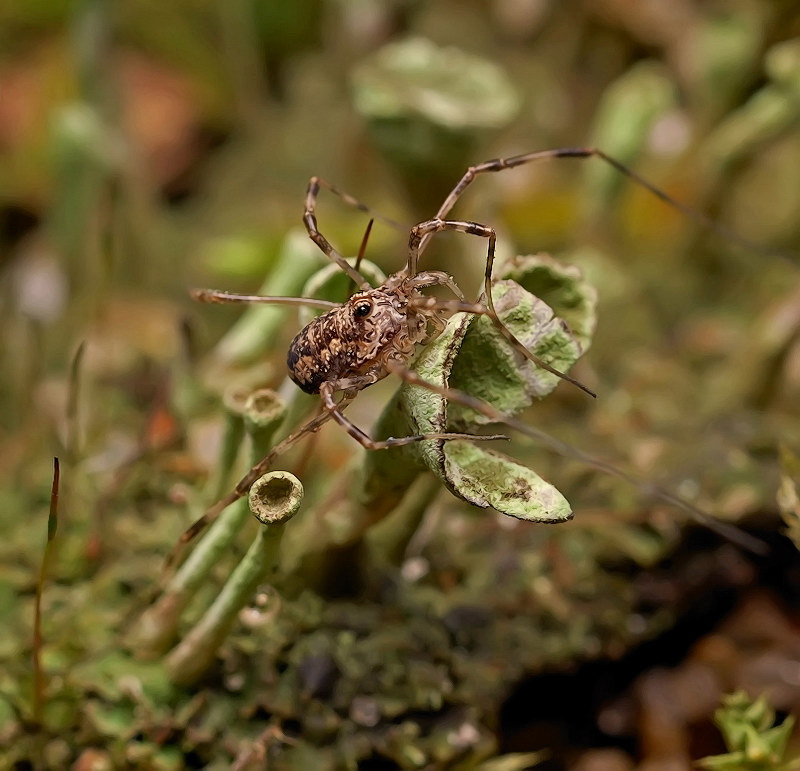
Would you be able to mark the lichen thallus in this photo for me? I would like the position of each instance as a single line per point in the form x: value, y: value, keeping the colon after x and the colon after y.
x: 378, y: 331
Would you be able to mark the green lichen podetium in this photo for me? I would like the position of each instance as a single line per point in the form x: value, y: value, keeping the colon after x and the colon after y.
x: 472, y: 356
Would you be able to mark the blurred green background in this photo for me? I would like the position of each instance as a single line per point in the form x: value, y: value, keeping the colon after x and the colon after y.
x: 147, y: 148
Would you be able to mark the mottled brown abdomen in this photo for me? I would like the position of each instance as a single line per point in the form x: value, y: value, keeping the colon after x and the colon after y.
x: 347, y: 342
x: 317, y: 353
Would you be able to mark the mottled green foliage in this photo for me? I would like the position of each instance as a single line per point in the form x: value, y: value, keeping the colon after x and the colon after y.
x: 754, y: 742
x: 472, y: 356
x: 418, y: 101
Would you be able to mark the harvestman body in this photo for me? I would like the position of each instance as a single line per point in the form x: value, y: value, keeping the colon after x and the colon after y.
x: 378, y: 330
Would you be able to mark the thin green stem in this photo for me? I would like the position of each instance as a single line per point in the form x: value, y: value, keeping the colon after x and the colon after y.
x: 275, y: 498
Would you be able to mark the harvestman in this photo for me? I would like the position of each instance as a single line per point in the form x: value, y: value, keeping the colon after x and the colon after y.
x: 377, y: 331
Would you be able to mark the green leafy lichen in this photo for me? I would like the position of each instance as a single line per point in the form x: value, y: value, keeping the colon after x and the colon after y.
x: 472, y: 356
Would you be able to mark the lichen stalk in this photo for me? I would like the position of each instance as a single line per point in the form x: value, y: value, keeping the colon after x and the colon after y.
x: 261, y: 413
x: 275, y: 498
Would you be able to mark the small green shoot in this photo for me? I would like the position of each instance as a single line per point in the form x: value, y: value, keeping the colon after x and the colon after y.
x: 52, y: 529
x: 754, y: 742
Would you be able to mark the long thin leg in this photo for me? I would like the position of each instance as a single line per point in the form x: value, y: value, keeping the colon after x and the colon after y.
x: 435, y: 278
x: 355, y: 203
x: 647, y: 489
x: 362, y: 249
x: 499, y: 164
x: 332, y: 411
x: 310, y: 221
x: 424, y: 229
x: 459, y: 306
x: 218, y: 297
x: 327, y: 392
x: 243, y: 486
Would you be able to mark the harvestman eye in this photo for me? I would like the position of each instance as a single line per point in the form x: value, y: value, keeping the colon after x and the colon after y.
x: 363, y: 308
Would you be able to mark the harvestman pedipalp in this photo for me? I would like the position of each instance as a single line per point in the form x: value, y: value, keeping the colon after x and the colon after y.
x: 378, y: 331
